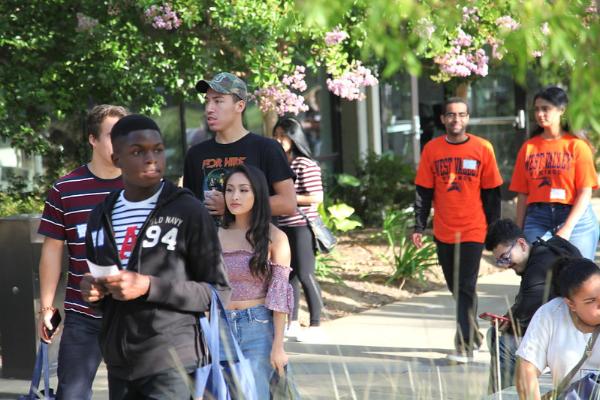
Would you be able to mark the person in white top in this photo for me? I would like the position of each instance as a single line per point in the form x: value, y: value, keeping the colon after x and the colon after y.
x: 559, y: 331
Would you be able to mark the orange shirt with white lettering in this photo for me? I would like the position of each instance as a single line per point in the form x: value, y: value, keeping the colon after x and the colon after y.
x: 457, y: 172
x: 551, y: 171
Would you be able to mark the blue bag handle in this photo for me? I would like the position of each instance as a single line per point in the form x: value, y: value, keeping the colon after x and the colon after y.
x: 41, y: 366
x: 211, y: 333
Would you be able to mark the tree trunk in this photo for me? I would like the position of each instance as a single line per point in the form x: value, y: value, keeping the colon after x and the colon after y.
x: 269, y: 120
x: 462, y: 90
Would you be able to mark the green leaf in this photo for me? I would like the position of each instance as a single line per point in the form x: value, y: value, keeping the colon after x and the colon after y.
x: 348, y: 180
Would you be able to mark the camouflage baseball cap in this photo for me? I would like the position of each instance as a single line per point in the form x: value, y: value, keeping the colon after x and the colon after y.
x: 225, y: 83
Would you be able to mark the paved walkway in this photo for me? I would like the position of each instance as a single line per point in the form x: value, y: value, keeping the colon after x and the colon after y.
x: 393, y: 352
x: 398, y: 351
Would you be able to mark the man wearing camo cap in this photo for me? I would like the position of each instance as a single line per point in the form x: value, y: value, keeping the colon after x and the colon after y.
x: 207, y: 163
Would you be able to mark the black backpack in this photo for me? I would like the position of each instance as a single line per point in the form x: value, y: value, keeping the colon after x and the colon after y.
x: 559, y: 246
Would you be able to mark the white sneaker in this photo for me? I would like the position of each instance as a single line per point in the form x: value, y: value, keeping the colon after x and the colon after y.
x: 292, y: 330
x: 313, y: 334
x: 462, y: 358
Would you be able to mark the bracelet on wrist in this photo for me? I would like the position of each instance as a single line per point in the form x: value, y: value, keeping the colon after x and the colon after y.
x: 44, y: 309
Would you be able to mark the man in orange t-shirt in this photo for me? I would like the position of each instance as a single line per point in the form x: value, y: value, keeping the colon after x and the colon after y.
x: 459, y: 175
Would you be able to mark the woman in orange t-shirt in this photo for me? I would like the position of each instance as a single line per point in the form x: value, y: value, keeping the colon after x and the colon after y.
x: 554, y: 177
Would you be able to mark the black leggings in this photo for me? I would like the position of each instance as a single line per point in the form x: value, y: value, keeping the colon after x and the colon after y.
x: 303, y: 272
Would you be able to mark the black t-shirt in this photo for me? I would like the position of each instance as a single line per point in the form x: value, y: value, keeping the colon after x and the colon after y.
x: 207, y: 163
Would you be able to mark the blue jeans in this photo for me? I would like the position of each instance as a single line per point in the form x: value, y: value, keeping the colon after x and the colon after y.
x: 507, y: 348
x: 253, y: 329
x: 543, y: 220
x: 79, y: 356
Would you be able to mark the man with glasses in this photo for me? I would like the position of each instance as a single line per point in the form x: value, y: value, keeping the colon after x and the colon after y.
x: 533, y: 263
x: 458, y: 175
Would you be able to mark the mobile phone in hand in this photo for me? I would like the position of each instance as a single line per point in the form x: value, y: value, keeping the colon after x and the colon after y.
x: 55, y: 322
x: 491, y: 317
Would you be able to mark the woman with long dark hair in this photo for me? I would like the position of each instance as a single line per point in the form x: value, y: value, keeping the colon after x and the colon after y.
x: 554, y: 177
x: 309, y: 193
x: 560, y: 329
x: 257, y: 259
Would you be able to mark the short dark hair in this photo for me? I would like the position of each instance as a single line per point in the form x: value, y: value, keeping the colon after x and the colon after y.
x: 503, y: 231
x: 132, y: 123
x: 99, y: 113
x: 569, y: 273
x: 454, y: 100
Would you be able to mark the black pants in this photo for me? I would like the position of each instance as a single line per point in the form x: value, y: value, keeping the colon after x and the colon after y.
x: 169, y: 384
x: 462, y: 278
x: 303, y: 271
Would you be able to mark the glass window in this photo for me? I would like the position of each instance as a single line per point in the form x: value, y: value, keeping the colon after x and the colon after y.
x: 15, y: 164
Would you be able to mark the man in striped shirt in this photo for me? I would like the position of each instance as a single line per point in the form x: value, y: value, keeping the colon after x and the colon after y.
x: 68, y: 204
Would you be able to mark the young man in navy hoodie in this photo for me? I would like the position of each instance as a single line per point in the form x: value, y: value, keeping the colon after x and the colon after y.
x: 158, y: 247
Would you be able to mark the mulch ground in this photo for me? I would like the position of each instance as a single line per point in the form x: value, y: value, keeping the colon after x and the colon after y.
x: 362, y: 270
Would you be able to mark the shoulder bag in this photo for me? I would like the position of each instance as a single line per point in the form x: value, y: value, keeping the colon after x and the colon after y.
x: 585, y: 388
x: 210, y: 381
x: 323, y: 240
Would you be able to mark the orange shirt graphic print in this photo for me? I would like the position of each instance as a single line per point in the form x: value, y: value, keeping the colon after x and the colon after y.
x: 553, y: 170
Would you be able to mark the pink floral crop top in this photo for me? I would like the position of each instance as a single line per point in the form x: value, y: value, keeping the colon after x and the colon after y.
x: 277, y: 292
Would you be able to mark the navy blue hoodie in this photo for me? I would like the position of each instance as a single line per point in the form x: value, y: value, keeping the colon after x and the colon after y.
x: 160, y: 330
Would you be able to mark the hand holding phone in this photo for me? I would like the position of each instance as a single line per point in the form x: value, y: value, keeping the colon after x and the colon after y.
x: 493, y: 317
x: 55, y: 322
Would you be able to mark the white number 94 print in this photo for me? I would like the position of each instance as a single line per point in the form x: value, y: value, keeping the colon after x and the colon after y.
x: 153, y: 234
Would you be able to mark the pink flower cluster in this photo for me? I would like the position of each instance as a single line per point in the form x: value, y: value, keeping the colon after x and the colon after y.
x: 335, y: 36
x: 545, y: 29
x: 592, y: 9
x: 463, y: 39
x: 296, y: 81
x: 85, y: 23
x: 348, y: 85
x: 280, y: 99
x: 457, y: 63
x: 470, y: 14
x: 162, y: 17
x: 507, y: 22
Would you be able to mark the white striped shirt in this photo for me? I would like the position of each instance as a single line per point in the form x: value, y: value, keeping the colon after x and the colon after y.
x: 128, y: 217
x: 308, y: 182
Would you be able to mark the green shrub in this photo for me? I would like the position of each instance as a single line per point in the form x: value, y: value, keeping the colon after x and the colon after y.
x: 338, y: 217
x: 383, y: 183
x: 16, y: 200
x: 326, y: 266
x: 409, y: 262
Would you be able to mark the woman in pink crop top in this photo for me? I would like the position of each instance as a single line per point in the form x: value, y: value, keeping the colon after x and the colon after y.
x: 257, y: 259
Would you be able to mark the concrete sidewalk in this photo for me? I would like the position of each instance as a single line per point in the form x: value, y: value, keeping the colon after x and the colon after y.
x: 398, y: 351
x: 393, y: 352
